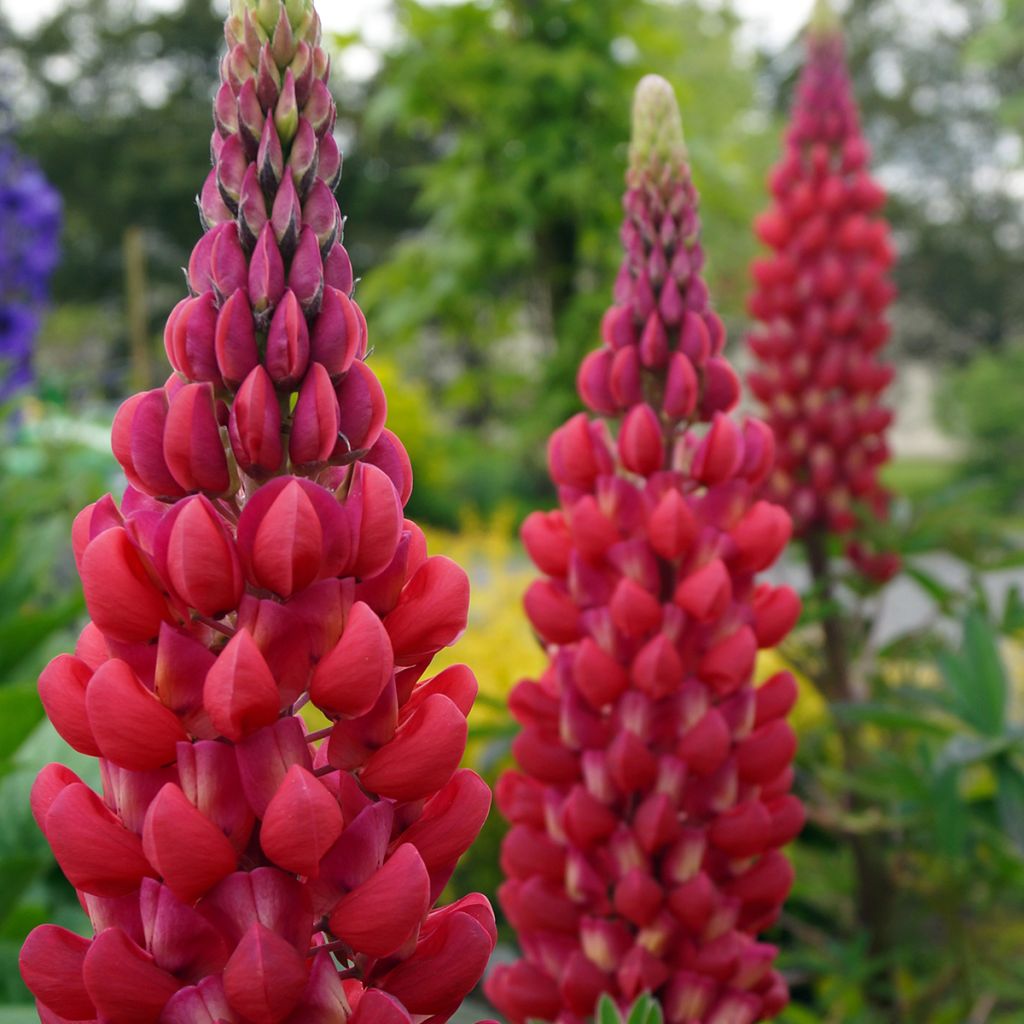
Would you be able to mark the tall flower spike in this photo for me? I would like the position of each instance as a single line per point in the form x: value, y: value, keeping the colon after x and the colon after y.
x: 652, y: 795
x: 237, y: 867
x: 820, y: 297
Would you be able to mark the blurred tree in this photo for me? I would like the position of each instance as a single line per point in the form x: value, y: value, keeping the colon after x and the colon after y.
x: 515, y: 113
x: 932, y: 112
x: 109, y: 94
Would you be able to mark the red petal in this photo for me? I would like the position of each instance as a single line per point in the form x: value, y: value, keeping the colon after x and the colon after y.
x: 124, y: 983
x: 96, y: 852
x: 380, y: 915
x: 349, y: 679
x: 265, y: 976
x: 51, y: 965
x: 240, y: 694
x: 132, y: 728
x: 122, y: 599
x: 62, y: 690
x: 444, y: 967
x: 423, y: 755
x: 431, y: 613
x: 301, y: 823
x: 188, y: 850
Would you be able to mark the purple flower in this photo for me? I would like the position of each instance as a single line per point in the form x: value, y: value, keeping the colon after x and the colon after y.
x: 30, y: 216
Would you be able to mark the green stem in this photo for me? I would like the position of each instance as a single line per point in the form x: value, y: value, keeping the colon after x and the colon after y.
x: 873, y: 884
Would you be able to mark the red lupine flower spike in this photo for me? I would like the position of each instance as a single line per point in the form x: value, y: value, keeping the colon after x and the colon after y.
x: 650, y: 799
x: 238, y: 868
x: 820, y: 298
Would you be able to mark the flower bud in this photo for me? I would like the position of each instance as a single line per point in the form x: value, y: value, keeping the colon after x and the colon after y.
x: 235, y: 339
x: 287, y: 354
x: 193, y: 447
x: 306, y: 274
x: 315, y: 421
x: 363, y: 410
x: 266, y: 272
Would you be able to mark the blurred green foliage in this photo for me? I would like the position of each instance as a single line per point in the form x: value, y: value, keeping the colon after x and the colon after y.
x: 517, y: 114
x: 983, y: 401
x: 50, y: 467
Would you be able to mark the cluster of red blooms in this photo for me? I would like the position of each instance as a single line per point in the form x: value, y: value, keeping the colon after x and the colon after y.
x: 821, y: 298
x: 653, y: 790
x: 238, y: 869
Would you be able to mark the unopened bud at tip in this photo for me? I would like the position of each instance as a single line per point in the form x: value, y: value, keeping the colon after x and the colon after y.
x: 824, y: 20
x: 657, y: 125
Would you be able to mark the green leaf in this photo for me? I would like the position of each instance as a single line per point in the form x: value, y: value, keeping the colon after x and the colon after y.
x: 942, y: 595
x: 1010, y: 802
x: 24, y: 633
x: 949, y: 814
x: 963, y: 750
x: 976, y: 677
x: 607, y: 1011
x: 886, y: 716
x: 982, y: 654
x: 20, y: 710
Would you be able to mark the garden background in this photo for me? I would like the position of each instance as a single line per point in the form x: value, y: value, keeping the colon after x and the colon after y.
x: 484, y: 152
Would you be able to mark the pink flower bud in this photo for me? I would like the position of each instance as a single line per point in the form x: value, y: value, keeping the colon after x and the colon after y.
x: 306, y: 274
x: 335, y: 338
x: 375, y: 502
x: 193, y: 447
x: 196, y: 555
x: 291, y: 533
x: 287, y: 354
x: 338, y: 269
x: 389, y: 455
x: 640, y: 442
x: 301, y: 823
x: 249, y: 117
x: 315, y: 420
x: 266, y: 272
x: 286, y: 215
x: 329, y: 169
x: 252, y: 208
x: 594, y: 382
x: 624, y: 378
x: 265, y: 976
x: 94, y: 850
x: 363, y: 410
x: 304, y: 157
x: 189, y: 338
x: 255, y: 425
x: 349, y: 679
x: 212, y: 208
x: 235, y: 339
x: 231, y: 166
x: 137, y: 439
x: 240, y: 694
x: 319, y: 108
x: 401, y: 888
x: 132, y: 728
x: 121, y: 596
x: 320, y: 212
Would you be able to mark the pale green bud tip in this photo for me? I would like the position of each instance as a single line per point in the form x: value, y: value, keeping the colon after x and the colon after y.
x: 824, y: 20
x: 657, y: 126
x: 267, y: 12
